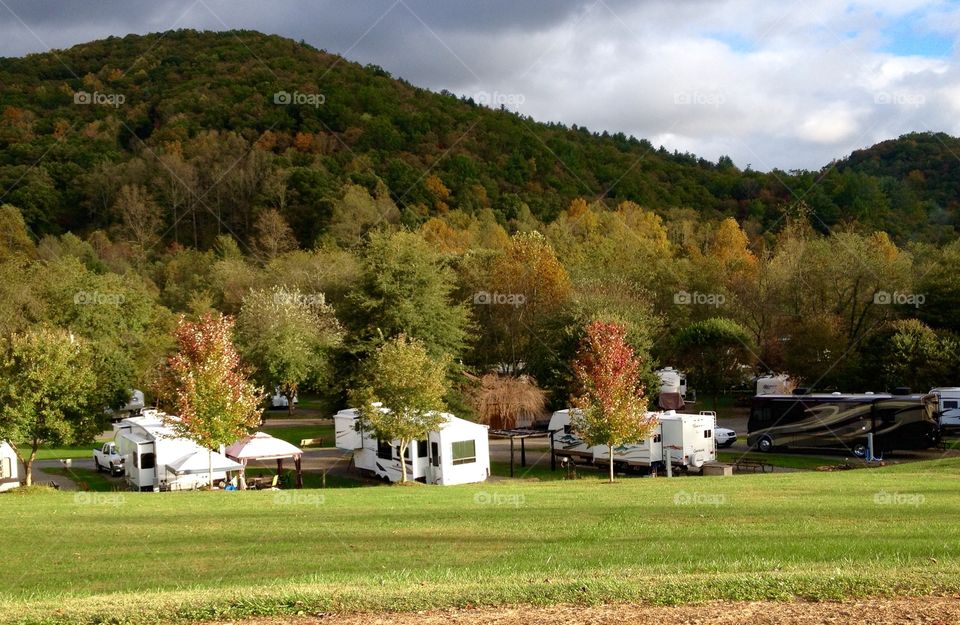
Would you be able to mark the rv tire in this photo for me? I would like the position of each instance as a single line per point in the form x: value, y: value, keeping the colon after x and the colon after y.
x: 860, y: 450
x: 96, y: 464
x: 765, y: 444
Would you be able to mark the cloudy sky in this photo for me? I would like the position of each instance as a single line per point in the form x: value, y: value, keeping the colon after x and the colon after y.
x: 790, y: 84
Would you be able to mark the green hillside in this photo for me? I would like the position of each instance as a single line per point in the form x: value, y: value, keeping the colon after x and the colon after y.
x: 200, y: 109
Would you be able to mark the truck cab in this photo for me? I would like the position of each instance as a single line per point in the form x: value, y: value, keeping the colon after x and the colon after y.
x: 108, y: 458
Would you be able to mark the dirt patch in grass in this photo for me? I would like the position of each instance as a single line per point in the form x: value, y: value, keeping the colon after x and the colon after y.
x: 916, y: 611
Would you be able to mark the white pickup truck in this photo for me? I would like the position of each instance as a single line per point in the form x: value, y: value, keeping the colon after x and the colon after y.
x: 106, y: 458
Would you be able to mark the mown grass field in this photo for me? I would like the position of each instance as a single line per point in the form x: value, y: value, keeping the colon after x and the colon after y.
x: 151, y: 558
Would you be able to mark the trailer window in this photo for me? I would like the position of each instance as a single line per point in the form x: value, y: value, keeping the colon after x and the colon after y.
x: 148, y: 461
x: 464, y: 452
x: 949, y: 404
x: 656, y: 438
x: 707, y: 433
x: 384, y: 450
x: 422, y: 449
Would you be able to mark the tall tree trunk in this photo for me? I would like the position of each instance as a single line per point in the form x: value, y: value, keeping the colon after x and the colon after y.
x: 403, y: 462
x: 210, y: 468
x: 610, y: 448
x: 28, y: 465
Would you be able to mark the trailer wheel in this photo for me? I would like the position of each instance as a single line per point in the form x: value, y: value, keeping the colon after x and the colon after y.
x: 765, y: 444
x: 860, y: 450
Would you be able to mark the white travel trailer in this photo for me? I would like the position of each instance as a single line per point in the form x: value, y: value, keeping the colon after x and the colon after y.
x: 11, y: 471
x: 672, y: 381
x: 687, y: 437
x: 774, y: 384
x: 457, y: 453
x: 157, y: 459
x: 565, y: 440
x: 948, y: 406
x: 279, y: 400
x: 643, y: 453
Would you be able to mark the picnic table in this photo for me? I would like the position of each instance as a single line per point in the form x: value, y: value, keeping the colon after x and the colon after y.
x: 754, y: 465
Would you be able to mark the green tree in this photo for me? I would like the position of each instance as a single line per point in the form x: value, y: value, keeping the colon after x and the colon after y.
x: 713, y: 351
x: 288, y: 337
x: 400, y: 396
x: 610, y: 398
x: 15, y: 239
x: 405, y: 288
x: 47, y: 392
x: 908, y: 353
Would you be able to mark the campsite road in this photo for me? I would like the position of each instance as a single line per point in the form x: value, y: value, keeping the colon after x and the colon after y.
x: 901, y: 611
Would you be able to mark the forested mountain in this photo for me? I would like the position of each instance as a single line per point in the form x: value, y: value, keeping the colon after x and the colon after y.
x: 149, y: 180
x: 211, y: 129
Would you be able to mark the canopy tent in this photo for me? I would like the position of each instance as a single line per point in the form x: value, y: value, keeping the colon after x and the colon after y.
x: 262, y: 446
x: 201, y: 462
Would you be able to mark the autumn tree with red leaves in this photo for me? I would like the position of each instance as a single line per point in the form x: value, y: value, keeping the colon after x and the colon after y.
x: 216, y: 402
x: 610, y: 397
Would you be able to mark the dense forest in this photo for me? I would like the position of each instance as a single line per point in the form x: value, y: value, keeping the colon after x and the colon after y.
x: 150, y: 176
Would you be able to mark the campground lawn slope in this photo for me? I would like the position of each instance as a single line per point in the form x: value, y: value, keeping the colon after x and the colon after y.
x: 147, y: 558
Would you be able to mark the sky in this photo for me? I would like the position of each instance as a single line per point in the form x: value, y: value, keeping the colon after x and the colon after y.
x: 773, y: 84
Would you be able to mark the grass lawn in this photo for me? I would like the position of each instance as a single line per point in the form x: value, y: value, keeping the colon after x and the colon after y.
x: 791, y: 461
x: 73, y: 451
x: 94, y: 481
x: 296, y: 433
x: 310, y: 480
x: 226, y: 555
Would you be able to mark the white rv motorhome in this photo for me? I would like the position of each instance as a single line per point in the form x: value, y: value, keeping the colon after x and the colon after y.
x: 948, y: 406
x: 11, y: 471
x: 457, y: 453
x: 155, y: 458
x: 688, y: 437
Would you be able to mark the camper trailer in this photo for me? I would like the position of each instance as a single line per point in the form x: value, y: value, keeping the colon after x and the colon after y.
x: 11, y: 471
x: 279, y: 400
x: 774, y: 384
x: 456, y: 453
x: 687, y: 437
x: 565, y: 441
x: 133, y: 407
x: 948, y: 407
x: 155, y: 458
x: 641, y: 454
x: 672, y: 381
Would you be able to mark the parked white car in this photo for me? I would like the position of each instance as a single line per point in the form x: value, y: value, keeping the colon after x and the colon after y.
x: 725, y: 437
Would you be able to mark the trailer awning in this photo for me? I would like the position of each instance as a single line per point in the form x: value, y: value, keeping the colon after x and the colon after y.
x: 199, y: 461
x: 262, y: 446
